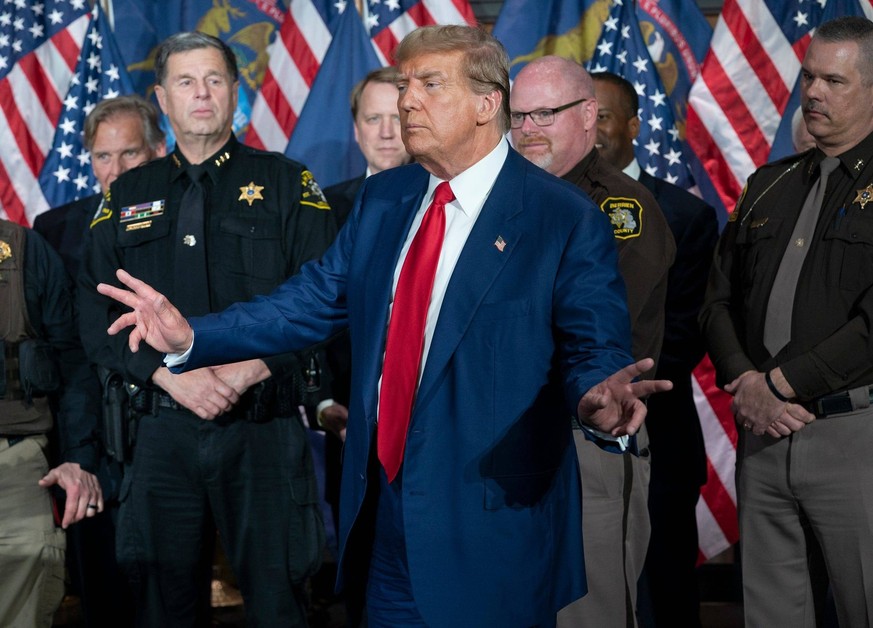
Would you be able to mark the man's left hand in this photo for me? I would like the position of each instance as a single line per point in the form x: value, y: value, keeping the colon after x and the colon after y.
x: 758, y: 410
x: 242, y: 375
x: 84, y: 496
x: 615, y: 405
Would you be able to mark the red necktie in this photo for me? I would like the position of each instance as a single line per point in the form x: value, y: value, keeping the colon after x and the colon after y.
x: 405, y: 341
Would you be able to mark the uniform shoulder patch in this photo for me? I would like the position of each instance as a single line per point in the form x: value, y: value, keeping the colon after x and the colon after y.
x: 626, y: 216
x: 312, y: 194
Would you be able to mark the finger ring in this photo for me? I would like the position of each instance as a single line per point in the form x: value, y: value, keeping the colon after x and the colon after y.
x: 94, y: 506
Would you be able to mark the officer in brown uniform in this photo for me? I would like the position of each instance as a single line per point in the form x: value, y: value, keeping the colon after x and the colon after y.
x: 42, y: 369
x: 554, y: 125
x: 787, y: 318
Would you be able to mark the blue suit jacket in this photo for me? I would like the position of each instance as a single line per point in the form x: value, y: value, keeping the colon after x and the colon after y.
x: 491, y: 496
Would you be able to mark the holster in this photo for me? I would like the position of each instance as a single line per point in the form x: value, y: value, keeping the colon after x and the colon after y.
x: 119, y: 419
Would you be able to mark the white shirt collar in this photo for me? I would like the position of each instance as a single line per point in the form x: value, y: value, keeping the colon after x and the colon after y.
x: 473, y: 185
x: 633, y: 169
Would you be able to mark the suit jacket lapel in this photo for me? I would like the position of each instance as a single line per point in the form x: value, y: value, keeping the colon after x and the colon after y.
x: 393, y: 217
x: 478, y: 266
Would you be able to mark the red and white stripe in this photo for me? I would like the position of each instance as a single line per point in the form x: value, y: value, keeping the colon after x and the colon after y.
x: 299, y: 49
x: 295, y: 58
x: 31, y: 97
x: 422, y: 13
x: 717, y: 526
x: 736, y: 103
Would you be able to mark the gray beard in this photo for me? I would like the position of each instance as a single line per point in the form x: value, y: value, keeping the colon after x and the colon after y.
x: 543, y: 161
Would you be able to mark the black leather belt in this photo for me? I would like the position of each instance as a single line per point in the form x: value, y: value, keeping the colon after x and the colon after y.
x: 245, y: 411
x: 13, y: 440
x: 842, y: 402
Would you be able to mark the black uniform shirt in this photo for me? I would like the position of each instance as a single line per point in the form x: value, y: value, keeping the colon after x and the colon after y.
x: 265, y: 218
x: 830, y: 347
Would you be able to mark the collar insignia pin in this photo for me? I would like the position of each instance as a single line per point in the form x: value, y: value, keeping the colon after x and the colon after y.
x: 859, y: 164
x: 251, y: 193
x: 864, y: 196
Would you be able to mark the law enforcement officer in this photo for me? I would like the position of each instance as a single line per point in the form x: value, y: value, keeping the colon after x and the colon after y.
x: 212, y: 223
x: 41, y: 373
x: 789, y: 334
x: 554, y: 125
x: 678, y: 453
x: 119, y: 133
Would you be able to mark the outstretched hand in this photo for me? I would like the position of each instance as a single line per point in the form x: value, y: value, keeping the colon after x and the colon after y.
x: 154, y: 319
x: 615, y: 405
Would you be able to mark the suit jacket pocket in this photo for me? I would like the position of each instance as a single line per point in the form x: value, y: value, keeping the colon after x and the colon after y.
x: 497, y: 310
x: 517, y: 491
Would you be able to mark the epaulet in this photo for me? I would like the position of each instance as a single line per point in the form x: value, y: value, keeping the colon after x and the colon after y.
x: 785, y: 161
x: 257, y: 153
x: 784, y: 165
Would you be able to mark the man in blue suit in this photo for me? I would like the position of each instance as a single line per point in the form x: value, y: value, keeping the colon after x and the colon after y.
x: 526, y: 330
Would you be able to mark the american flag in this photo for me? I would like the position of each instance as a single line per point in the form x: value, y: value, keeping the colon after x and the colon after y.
x: 737, y: 102
x: 39, y: 48
x: 303, y: 40
x: 66, y: 175
x: 735, y: 108
x: 621, y: 50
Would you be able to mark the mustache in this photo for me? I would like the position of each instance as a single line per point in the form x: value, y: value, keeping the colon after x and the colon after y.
x: 527, y: 140
x: 813, y: 106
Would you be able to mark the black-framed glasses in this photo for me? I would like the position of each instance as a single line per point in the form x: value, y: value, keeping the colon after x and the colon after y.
x: 540, y: 117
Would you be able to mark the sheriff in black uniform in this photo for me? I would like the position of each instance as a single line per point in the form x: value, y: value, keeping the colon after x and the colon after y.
x: 802, y: 388
x: 554, y: 125
x: 213, y: 223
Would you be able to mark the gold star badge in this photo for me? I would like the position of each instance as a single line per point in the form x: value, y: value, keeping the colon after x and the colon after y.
x: 251, y: 193
x: 864, y: 196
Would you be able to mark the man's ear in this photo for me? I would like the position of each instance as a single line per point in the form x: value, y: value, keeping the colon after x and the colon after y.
x: 490, y: 105
x: 161, y: 95
x: 633, y: 126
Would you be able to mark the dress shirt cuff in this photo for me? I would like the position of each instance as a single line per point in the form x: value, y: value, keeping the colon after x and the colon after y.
x: 620, y: 441
x: 178, y: 359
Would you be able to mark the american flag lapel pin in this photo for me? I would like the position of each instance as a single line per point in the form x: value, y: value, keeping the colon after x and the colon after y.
x: 500, y: 243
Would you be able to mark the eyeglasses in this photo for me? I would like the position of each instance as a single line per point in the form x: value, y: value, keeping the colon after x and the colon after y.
x: 540, y: 117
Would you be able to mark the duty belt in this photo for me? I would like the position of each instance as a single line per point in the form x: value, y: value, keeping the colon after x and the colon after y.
x: 842, y: 402
x: 250, y: 408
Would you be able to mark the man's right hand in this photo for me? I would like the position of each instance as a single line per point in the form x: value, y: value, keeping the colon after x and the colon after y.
x: 758, y: 410
x: 201, y: 391
x: 154, y: 319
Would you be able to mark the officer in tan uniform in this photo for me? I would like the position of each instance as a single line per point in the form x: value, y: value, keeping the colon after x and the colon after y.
x: 41, y: 366
x: 554, y: 125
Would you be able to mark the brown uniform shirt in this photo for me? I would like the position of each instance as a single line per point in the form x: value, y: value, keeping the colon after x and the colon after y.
x: 646, y: 248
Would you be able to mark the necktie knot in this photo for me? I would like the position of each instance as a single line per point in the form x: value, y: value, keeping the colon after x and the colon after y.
x: 828, y: 165
x: 443, y: 194
x: 196, y: 173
